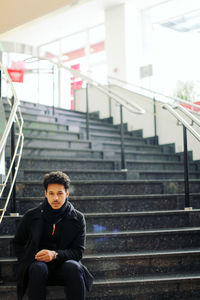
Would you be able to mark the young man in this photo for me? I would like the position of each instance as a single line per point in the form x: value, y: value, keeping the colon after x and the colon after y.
x: 49, y: 244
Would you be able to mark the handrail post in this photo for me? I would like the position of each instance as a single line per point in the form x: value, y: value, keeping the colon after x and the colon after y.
x: 53, y: 78
x: 87, y: 113
x: 0, y: 83
x: 154, y: 114
x: 187, y: 192
x: 13, y: 203
x: 109, y: 102
x: 123, y: 160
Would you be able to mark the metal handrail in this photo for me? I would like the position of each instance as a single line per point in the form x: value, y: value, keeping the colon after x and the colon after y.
x: 13, y: 118
x: 182, y: 120
x: 169, y: 99
x: 133, y: 107
x: 186, y: 126
x: 174, y: 106
x: 189, y: 114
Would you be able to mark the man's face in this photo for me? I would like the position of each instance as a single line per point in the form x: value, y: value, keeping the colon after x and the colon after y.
x: 56, y: 195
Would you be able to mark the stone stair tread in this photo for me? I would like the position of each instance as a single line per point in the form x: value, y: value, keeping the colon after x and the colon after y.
x: 98, y: 150
x: 143, y: 279
x: 144, y: 232
x: 76, y: 170
x: 133, y: 280
x: 124, y: 255
x: 131, y: 232
x: 52, y: 138
x: 140, y: 213
x: 116, y: 197
x: 142, y: 254
x: 124, y: 214
x: 115, y: 181
x: 68, y: 159
x: 114, y: 171
x: 64, y: 158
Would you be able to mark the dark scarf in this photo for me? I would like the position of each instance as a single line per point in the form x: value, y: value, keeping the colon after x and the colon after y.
x: 52, y: 216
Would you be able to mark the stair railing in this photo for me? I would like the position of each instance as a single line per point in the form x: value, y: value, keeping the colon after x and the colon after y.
x: 16, y: 153
x: 120, y: 100
x: 186, y: 126
x: 173, y: 105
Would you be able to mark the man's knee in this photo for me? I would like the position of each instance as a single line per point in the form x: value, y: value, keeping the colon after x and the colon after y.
x: 38, y: 269
x: 71, y: 267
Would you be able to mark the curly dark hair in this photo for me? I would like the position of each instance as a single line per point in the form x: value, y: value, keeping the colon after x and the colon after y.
x: 56, y: 177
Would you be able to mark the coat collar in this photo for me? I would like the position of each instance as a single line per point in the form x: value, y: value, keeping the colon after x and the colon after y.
x: 37, y: 212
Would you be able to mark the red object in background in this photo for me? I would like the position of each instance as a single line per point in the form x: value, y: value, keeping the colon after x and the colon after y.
x: 76, y: 84
x: 16, y: 75
x: 192, y: 108
x: 72, y: 105
x: 76, y: 67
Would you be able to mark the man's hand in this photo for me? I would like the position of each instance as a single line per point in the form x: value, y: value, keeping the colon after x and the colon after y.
x: 45, y: 255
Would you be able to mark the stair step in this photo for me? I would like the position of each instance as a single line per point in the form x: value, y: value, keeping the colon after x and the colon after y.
x: 35, y: 137
x: 127, y: 264
x: 125, y: 221
x: 155, y: 288
x: 68, y: 163
x: 111, y: 164
x: 47, y: 133
x: 74, y: 174
x: 35, y: 174
x: 53, y: 148
x: 138, y: 240
x: 112, y: 187
x: 116, y: 203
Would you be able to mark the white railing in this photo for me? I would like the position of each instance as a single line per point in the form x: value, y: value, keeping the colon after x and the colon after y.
x: 132, y: 107
x: 181, y: 119
x: 158, y: 96
x: 15, y: 117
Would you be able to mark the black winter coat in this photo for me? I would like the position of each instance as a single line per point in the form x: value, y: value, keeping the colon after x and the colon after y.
x: 71, y: 243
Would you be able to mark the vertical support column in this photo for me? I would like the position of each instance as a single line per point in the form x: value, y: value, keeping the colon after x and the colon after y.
x: 186, y: 177
x: 0, y: 84
x: 13, y: 203
x: 123, y: 160
x: 154, y: 114
x: 87, y: 113
x: 109, y: 103
x: 125, y: 61
x: 53, y: 79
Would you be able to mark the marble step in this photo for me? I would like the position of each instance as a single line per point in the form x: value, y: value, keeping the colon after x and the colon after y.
x: 105, y: 164
x: 126, y: 265
x: 52, y: 132
x: 124, y: 221
x: 74, y: 174
x: 28, y: 162
x: 117, y: 203
x: 35, y: 140
x: 60, y: 116
x: 129, y: 241
x: 111, y: 187
x: 34, y: 137
x: 35, y: 174
x: 60, y: 149
x: 144, y: 288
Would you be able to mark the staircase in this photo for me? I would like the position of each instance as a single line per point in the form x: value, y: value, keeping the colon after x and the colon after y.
x: 141, y: 244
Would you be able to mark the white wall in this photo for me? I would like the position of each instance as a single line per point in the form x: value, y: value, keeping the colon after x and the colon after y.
x: 167, y: 129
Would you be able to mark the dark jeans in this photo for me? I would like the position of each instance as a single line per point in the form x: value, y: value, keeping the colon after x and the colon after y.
x: 69, y: 274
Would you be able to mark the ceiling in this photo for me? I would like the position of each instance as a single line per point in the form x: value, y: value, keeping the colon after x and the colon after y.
x: 70, y: 17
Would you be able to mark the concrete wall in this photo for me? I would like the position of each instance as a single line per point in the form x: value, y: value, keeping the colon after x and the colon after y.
x: 168, y: 130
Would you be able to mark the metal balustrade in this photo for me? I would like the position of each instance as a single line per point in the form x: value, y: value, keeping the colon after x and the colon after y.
x: 15, y: 118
